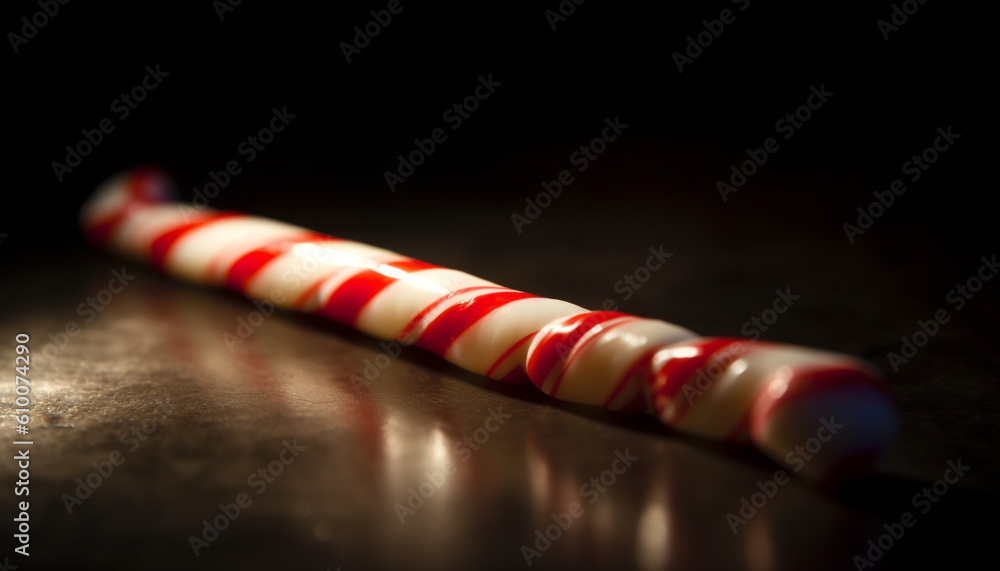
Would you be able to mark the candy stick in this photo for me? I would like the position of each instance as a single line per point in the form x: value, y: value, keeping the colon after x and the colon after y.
x: 825, y: 415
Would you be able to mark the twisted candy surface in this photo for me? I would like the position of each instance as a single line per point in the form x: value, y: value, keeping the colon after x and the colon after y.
x: 779, y: 396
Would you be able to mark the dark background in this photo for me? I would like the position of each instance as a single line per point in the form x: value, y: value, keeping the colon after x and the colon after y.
x: 655, y: 185
x: 607, y: 59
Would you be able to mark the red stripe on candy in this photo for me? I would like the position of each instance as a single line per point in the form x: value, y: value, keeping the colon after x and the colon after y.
x: 405, y: 333
x: 160, y: 249
x: 510, y: 351
x: 312, y: 289
x: 140, y: 177
x: 724, y: 356
x: 579, y: 350
x: 245, y: 268
x: 677, y: 371
x: 347, y: 301
x: 636, y: 369
x: 101, y: 231
x: 440, y: 334
x: 546, y: 355
x: 248, y: 265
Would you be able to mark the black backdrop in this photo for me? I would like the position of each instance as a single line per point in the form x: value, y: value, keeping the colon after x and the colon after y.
x: 605, y: 59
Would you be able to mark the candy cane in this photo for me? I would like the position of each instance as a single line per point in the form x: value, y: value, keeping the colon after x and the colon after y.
x: 826, y: 415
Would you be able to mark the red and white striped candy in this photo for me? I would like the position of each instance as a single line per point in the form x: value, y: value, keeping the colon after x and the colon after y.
x: 779, y: 396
